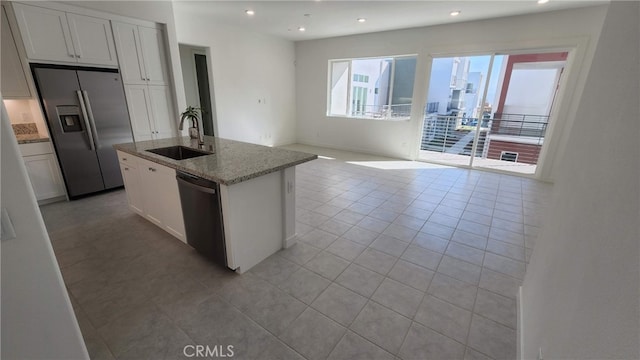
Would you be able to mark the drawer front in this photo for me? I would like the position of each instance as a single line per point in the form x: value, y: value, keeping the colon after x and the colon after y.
x: 39, y: 148
x: 127, y: 159
x: 146, y: 165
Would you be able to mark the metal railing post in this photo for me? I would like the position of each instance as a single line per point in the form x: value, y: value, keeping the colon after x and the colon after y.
x: 446, y: 132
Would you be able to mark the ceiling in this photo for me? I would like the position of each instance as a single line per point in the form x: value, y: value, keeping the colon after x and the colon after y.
x: 330, y: 18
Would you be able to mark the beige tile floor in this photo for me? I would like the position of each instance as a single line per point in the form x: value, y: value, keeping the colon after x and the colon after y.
x: 395, y: 260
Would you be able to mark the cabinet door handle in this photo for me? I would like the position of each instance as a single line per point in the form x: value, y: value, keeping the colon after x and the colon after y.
x: 124, y: 159
x: 126, y: 169
x: 152, y: 169
x: 78, y: 56
x: 71, y: 55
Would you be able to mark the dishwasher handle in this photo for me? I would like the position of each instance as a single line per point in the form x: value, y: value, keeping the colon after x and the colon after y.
x: 187, y: 183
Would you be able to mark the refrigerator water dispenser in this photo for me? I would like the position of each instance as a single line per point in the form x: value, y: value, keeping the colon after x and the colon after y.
x: 69, y: 117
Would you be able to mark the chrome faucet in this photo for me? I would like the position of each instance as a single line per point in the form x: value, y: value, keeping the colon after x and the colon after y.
x: 194, y: 130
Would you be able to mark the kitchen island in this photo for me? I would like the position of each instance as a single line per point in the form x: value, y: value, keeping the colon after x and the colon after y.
x: 256, y: 187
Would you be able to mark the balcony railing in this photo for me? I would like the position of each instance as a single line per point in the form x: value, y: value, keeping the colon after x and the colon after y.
x: 455, y: 134
x: 534, y: 126
x: 384, y: 112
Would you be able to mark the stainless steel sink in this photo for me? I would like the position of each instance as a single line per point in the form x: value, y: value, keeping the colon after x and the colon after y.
x: 178, y: 152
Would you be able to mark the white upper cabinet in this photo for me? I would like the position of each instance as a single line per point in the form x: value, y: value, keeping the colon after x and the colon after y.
x: 129, y: 49
x: 155, y: 60
x: 142, y: 54
x: 14, y: 80
x: 53, y: 35
x: 45, y: 33
x: 130, y: 53
x: 92, y: 40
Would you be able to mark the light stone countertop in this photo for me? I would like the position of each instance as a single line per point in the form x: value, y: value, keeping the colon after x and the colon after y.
x: 29, y: 140
x: 231, y: 161
x: 27, y: 133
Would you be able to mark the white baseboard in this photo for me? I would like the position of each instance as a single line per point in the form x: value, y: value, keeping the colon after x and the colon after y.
x: 290, y: 241
x: 354, y: 149
x: 519, y: 327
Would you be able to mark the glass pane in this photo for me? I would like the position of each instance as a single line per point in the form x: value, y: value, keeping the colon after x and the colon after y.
x: 370, y: 88
x: 454, y: 114
x: 522, y: 98
x: 403, y: 79
x: 339, y: 88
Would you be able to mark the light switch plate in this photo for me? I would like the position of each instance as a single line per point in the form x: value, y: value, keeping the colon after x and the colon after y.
x: 7, y: 231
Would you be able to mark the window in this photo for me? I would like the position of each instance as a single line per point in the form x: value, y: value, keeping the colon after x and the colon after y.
x: 374, y: 88
x: 361, y: 78
x: 359, y: 100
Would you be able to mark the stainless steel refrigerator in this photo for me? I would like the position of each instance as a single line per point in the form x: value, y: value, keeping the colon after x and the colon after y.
x: 86, y: 114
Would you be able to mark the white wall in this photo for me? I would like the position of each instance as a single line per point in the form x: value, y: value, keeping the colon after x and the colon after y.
x: 581, y: 296
x: 247, y: 68
x: 37, y: 319
x: 189, y: 75
x: 569, y: 28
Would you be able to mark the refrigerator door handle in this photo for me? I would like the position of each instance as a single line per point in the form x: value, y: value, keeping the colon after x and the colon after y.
x: 92, y: 120
x: 86, y: 120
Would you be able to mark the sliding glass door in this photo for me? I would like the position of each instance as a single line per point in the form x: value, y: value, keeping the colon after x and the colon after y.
x: 490, y: 111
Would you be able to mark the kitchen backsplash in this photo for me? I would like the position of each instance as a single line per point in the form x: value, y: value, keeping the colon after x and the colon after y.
x: 26, y: 131
x: 26, y: 111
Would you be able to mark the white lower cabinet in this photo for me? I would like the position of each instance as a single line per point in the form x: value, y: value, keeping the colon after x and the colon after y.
x: 43, y: 170
x: 152, y: 191
x: 131, y: 179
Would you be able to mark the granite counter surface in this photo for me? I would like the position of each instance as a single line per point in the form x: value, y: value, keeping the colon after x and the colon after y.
x: 30, y: 140
x: 231, y: 161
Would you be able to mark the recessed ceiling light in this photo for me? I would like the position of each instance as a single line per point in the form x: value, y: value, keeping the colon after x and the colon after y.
x: 301, y: 28
x: 249, y: 12
x: 543, y: 1
x: 455, y: 13
x: 361, y: 20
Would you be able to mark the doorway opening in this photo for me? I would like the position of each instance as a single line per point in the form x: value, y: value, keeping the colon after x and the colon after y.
x: 490, y: 111
x: 195, y: 65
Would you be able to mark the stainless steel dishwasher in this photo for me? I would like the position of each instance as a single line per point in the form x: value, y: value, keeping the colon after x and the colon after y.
x: 200, y: 199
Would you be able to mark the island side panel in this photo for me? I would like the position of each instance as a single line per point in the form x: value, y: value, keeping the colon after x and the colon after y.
x: 253, y: 220
x: 289, y: 209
